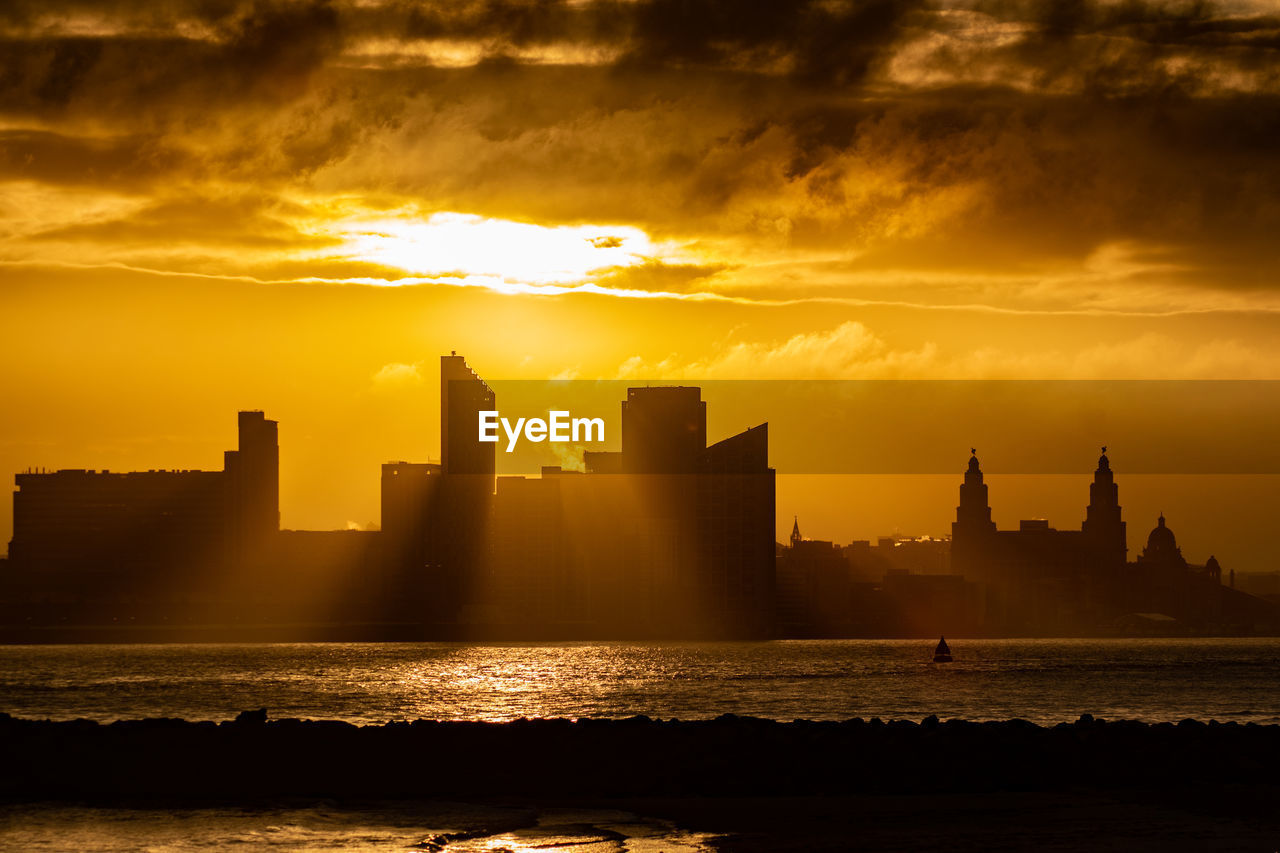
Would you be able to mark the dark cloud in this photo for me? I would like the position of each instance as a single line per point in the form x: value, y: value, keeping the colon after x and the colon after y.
x: 128, y: 163
x: 1133, y: 47
x: 978, y: 134
x: 264, y: 51
x: 819, y: 42
x: 514, y: 23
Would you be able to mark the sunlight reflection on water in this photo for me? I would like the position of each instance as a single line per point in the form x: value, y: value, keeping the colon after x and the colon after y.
x: 1045, y: 681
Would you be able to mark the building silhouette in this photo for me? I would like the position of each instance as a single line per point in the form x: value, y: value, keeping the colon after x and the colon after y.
x: 411, y: 498
x: 668, y: 537
x: 664, y: 430
x: 898, y: 587
x: 94, y: 544
x: 1037, y: 577
x: 1104, y: 531
x: 458, y: 530
x: 1041, y: 580
x: 252, y: 475
x: 815, y: 586
x: 463, y: 395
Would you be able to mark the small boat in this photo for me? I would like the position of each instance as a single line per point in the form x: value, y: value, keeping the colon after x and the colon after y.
x: 942, y: 654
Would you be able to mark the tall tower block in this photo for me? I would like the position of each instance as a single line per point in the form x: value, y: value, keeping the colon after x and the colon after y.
x: 253, y: 483
x: 460, y: 533
x: 463, y: 395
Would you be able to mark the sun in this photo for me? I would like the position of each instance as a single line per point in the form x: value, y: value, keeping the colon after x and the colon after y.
x: 462, y: 245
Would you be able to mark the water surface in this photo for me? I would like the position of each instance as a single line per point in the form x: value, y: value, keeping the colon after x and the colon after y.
x: 1046, y: 681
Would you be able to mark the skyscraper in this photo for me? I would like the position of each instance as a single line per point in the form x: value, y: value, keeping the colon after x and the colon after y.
x: 664, y: 430
x: 463, y: 395
x: 460, y: 532
x: 253, y: 484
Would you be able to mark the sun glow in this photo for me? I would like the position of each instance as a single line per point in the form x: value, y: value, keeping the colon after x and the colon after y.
x: 463, y: 245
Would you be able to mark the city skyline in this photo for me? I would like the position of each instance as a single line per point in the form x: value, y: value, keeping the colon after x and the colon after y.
x: 1010, y: 516
x: 294, y: 205
x: 669, y: 535
x: 1225, y: 514
x: 928, y: 351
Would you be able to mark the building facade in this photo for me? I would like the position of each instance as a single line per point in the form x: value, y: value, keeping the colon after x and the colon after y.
x: 666, y: 538
x: 106, y: 545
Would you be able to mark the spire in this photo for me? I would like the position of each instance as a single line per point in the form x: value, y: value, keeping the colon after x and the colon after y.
x: 795, y: 531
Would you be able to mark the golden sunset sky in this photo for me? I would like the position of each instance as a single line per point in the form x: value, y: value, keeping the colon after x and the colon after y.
x: 210, y: 205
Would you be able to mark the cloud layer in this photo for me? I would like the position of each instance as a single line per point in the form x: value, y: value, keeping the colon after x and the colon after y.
x: 971, y: 165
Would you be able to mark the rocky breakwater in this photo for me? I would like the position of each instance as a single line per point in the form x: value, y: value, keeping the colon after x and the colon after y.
x: 254, y: 757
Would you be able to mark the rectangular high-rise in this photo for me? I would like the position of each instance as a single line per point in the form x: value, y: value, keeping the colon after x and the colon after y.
x: 667, y: 538
x: 108, y: 545
x: 664, y: 430
x: 253, y: 486
x: 461, y: 523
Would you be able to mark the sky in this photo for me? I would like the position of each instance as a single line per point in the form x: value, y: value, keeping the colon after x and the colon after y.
x: 298, y: 206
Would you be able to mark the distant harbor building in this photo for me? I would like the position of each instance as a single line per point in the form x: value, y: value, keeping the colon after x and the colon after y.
x: 1162, y: 580
x: 1040, y: 578
x: 102, y: 540
x: 411, y: 495
x: 896, y: 587
x: 1045, y: 581
x: 815, y: 586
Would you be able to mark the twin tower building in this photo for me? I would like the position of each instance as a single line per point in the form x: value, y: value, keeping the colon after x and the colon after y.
x: 1040, y: 580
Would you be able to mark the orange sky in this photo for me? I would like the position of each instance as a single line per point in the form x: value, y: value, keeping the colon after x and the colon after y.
x: 298, y: 206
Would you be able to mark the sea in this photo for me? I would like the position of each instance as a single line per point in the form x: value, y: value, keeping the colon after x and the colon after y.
x: 1041, y: 680
x: 1045, y: 681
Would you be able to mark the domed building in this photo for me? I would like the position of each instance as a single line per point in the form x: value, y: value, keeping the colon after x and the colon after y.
x: 1165, y: 582
x: 1162, y: 547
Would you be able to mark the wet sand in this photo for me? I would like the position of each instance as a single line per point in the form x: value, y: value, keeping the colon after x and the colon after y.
x: 1234, y: 818
x: 1228, y: 819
